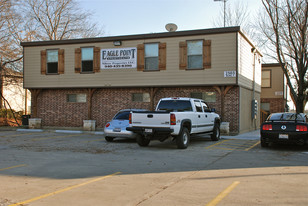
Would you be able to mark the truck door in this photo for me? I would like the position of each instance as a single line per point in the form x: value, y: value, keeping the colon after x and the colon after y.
x: 207, y: 118
x: 198, y: 117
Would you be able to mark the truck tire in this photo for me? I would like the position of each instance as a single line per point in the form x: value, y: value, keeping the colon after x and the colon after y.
x: 182, y: 140
x: 142, y: 141
x: 215, y: 136
x: 109, y: 139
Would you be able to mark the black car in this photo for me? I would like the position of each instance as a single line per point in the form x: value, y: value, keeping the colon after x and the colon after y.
x: 284, y: 127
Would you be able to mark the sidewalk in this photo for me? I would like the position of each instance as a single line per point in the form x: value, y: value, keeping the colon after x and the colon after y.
x: 254, y: 135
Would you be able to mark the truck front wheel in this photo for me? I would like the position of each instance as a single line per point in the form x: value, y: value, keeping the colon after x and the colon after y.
x: 216, y: 132
x: 142, y: 141
x: 182, y: 140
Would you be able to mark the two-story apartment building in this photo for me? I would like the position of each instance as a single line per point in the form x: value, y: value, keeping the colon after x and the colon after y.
x: 82, y: 79
x: 274, y: 92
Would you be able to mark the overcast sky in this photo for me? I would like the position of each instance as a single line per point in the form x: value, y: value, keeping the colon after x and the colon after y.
x: 125, y: 17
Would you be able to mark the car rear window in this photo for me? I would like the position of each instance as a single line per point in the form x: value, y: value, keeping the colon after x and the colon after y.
x: 175, y: 105
x: 122, y: 115
x: 286, y: 117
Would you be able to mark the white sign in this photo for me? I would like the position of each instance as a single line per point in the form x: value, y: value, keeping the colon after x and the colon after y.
x: 229, y: 74
x: 279, y: 93
x: 122, y: 58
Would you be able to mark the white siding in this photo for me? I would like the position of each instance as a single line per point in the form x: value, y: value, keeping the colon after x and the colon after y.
x: 223, y: 59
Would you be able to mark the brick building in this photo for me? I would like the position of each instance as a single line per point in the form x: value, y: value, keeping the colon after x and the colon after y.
x: 274, y: 91
x: 81, y: 79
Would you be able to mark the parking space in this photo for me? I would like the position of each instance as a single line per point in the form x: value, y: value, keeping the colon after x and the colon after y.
x: 235, y: 144
x: 48, y: 168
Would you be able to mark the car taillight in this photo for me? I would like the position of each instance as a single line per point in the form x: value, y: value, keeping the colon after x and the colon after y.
x: 107, y: 125
x: 267, y: 127
x: 130, y: 118
x: 301, y: 128
x: 172, y: 119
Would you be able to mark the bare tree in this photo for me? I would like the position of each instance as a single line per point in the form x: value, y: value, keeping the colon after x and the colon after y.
x: 285, y: 29
x: 57, y: 20
x: 10, y: 50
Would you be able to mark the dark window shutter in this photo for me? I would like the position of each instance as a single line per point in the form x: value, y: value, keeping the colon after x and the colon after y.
x: 61, y: 61
x: 183, y: 55
x: 140, y: 57
x: 207, y: 54
x: 96, y: 59
x: 77, y: 60
x: 43, y: 62
x: 162, y: 56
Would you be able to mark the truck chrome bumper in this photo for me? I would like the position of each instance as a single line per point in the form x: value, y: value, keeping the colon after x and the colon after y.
x: 143, y: 130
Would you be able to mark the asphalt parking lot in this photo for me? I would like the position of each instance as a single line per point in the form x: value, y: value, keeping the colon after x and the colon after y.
x: 51, y: 168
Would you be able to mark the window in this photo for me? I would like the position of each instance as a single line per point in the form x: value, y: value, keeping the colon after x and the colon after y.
x: 265, y: 106
x: 175, y: 105
x: 151, y: 56
x: 194, y: 54
x: 81, y: 98
x: 266, y: 78
x: 198, y: 106
x: 52, y: 61
x: 206, y: 96
x: 205, y: 107
x: 141, y: 97
x: 87, y: 59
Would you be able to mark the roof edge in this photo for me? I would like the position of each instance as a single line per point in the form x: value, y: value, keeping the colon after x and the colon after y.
x: 134, y: 37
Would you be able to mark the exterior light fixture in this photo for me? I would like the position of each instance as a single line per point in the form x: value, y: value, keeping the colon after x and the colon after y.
x: 117, y: 43
x: 224, y: 11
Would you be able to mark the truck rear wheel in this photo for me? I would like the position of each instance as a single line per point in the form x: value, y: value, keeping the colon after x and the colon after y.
x: 142, y: 141
x: 182, y: 140
x: 216, y: 132
x: 109, y: 139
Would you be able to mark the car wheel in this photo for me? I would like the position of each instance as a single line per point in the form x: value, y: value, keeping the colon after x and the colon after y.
x: 264, y: 143
x: 182, y: 140
x: 215, y: 136
x: 142, y: 141
x: 109, y: 139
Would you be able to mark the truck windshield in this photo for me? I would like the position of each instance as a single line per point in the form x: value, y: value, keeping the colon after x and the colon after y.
x: 175, y: 105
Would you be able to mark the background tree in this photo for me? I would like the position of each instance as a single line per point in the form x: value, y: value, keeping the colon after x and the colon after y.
x: 10, y: 50
x: 37, y: 20
x: 57, y: 20
x: 284, y: 28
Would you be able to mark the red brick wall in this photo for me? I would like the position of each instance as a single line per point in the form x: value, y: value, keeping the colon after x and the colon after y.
x: 276, y: 104
x: 54, y: 110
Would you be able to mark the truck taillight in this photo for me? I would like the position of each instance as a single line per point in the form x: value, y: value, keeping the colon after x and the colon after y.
x: 172, y: 119
x: 267, y: 127
x: 130, y: 118
x: 301, y: 128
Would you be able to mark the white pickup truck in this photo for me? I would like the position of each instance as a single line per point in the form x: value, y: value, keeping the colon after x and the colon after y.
x: 176, y: 117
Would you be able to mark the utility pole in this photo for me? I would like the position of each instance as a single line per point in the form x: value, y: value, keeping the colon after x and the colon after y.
x: 224, y: 11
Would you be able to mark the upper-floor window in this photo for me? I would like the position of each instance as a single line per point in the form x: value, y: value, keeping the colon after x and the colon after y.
x: 87, y: 59
x: 266, y: 78
x: 195, y: 54
x: 151, y: 56
x: 52, y: 61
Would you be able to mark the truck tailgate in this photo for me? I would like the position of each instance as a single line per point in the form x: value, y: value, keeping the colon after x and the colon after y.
x: 150, y: 120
